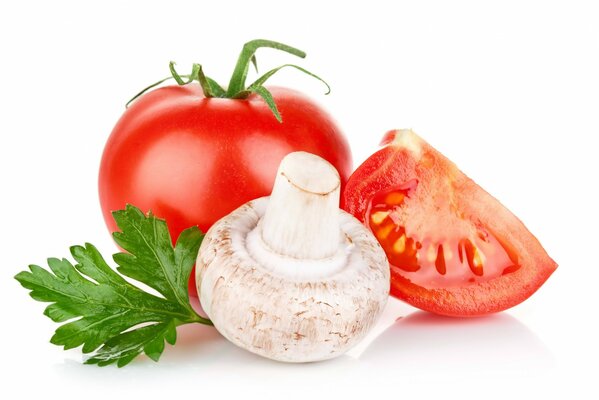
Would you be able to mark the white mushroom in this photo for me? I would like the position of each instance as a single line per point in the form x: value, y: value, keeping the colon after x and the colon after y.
x: 292, y: 277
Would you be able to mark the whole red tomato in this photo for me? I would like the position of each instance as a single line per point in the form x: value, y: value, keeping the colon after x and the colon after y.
x: 191, y: 159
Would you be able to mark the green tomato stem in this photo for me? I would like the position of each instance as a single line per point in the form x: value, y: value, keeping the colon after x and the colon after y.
x: 237, y: 88
x: 237, y: 82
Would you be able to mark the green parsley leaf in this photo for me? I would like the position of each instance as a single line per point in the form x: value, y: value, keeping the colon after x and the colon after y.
x: 107, y: 314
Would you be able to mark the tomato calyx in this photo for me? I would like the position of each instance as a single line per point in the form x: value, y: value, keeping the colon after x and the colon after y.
x: 237, y: 88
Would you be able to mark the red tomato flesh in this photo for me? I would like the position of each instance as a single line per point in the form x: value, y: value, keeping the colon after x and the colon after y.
x: 192, y: 160
x: 453, y: 249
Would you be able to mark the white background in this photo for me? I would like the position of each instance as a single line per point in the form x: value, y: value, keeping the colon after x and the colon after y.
x: 509, y: 90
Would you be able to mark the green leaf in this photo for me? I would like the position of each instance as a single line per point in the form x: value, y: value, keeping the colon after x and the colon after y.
x: 209, y: 86
x: 216, y: 89
x: 103, y: 309
x: 198, y: 74
x: 126, y: 346
x: 260, y: 81
x: 179, y: 78
x: 267, y: 96
x: 254, y: 62
x: 153, y: 85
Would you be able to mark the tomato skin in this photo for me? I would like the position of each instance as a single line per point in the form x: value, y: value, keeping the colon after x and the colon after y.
x: 395, y: 164
x: 192, y: 160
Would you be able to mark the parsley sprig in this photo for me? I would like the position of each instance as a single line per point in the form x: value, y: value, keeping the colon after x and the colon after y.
x: 107, y: 315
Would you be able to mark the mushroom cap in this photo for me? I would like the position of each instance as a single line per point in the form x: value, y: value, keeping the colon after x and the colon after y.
x: 291, y: 310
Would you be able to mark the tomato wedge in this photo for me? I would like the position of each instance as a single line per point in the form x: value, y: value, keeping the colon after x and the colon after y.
x: 453, y: 249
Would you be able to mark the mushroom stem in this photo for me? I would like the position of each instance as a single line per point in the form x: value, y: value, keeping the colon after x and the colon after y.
x: 302, y: 217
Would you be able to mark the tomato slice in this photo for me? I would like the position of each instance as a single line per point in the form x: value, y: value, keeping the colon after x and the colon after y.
x: 453, y: 249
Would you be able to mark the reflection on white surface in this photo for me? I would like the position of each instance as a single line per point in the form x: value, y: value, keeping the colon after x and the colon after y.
x: 420, y: 347
x: 424, y: 342
x: 420, y: 353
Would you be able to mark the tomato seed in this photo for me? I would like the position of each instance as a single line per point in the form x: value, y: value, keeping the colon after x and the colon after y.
x: 385, y: 230
x: 394, y: 199
x: 400, y: 244
x: 440, y: 261
x: 379, y: 216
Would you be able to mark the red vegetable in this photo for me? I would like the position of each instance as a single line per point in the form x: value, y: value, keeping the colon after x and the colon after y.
x: 453, y: 249
x: 193, y: 153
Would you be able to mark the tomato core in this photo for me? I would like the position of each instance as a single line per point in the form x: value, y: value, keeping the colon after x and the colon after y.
x: 473, y: 255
